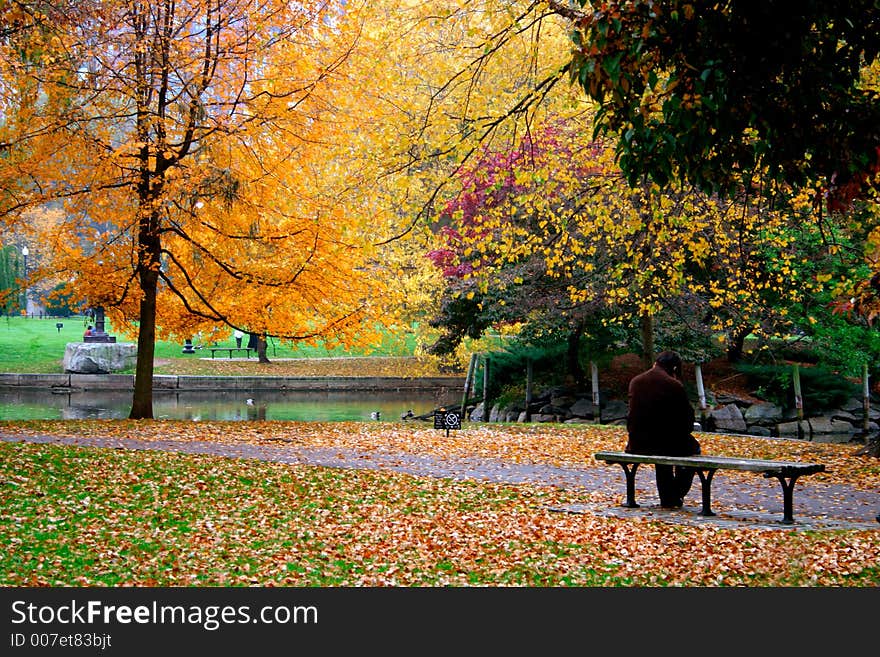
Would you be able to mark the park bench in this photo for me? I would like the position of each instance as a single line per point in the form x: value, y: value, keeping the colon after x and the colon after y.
x: 230, y: 350
x: 787, y: 472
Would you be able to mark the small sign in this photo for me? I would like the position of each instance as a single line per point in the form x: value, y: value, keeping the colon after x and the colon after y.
x: 447, y: 420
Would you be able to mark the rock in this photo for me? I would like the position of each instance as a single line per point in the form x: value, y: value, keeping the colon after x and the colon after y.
x: 853, y: 405
x: 562, y: 400
x: 793, y: 429
x: 725, y: 399
x: 846, y: 416
x: 764, y: 414
x: 827, y: 425
x: 728, y: 418
x: 614, y: 411
x: 582, y: 408
x: 99, y: 357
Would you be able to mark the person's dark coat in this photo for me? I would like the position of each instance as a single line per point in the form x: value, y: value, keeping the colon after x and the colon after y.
x: 661, y: 418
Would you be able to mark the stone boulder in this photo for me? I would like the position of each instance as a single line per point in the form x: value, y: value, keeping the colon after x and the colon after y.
x: 99, y: 357
x: 582, y: 408
x: 764, y: 414
x: 797, y: 428
x: 728, y: 419
x: 615, y: 410
x: 825, y: 424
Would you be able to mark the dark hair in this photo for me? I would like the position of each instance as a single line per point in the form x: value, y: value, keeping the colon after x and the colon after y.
x: 669, y: 361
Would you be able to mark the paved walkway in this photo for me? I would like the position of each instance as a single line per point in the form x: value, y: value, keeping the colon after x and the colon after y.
x: 755, y: 502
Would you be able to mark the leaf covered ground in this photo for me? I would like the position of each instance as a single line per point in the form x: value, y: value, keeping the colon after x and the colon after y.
x: 392, y: 366
x: 85, y: 516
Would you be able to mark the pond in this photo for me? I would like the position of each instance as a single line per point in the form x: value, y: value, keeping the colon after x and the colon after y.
x: 241, y: 405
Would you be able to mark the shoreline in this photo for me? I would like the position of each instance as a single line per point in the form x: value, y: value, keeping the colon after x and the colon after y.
x: 71, y: 382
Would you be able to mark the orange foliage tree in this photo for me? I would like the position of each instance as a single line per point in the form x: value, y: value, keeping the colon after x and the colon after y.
x: 202, y: 153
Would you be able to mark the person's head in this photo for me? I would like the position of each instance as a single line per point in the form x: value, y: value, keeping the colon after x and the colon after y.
x: 670, y: 362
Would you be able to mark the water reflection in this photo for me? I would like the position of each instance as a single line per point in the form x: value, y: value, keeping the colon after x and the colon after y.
x: 222, y: 405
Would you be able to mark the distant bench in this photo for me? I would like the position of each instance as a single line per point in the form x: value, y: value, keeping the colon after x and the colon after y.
x: 230, y: 350
x: 787, y: 472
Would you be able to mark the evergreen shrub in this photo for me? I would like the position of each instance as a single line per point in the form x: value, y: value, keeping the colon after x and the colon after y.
x: 822, y: 389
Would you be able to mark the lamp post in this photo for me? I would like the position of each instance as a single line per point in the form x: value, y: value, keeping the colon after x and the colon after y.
x: 24, y: 252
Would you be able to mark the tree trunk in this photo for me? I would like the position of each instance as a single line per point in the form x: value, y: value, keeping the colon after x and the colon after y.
x: 142, y: 401
x: 646, y: 328
x: 573, y: 355
x: 737, y: 345
x: 261, y: 350
x: 148, y: 277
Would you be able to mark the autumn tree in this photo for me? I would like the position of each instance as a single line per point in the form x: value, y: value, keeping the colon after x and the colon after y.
x: 711, y: 265
x: 459, y: 75
x: 550, y: 232
x: 205, y: 156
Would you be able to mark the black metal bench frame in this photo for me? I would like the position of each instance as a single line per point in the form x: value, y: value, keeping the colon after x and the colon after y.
x: 787, y: 472
x: 229, y: 350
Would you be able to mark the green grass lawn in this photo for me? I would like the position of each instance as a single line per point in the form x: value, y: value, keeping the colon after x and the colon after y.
x: 79, y: 516
x: 37, y: 346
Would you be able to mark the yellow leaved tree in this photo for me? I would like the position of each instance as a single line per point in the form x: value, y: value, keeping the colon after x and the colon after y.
x: 451, y: 76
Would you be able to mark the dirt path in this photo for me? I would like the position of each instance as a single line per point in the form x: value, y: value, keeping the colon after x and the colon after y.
x: 755, y: 502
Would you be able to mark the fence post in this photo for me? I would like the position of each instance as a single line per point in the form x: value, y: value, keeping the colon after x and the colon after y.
x: 529, y: 379
x: 486, y: 388
x: 866, y: 399
x: 701, y: 391
x: 594, y: 382
x: 468, y: 382
x: 798, y: 398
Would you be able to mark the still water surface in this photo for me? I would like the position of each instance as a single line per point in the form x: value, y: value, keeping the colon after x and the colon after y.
x: 223, y: 405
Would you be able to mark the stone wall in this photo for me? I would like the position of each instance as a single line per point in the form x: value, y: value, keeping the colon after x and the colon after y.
x: 93, y: 382
x: 729, y: 415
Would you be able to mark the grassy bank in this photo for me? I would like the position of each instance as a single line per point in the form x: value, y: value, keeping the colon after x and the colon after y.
x: 37, y: 346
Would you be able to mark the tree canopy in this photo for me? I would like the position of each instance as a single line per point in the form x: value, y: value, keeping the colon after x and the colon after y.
x: 202, y: 154
x: 547, y: 233
x: 724, y: 94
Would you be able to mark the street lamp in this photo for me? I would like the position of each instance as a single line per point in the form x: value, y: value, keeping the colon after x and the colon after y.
x: 24, y: 252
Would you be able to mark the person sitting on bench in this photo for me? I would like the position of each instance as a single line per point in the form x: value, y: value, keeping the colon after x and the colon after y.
x: 660, y: 421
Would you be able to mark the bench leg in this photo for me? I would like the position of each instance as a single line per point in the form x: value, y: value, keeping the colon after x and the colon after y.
x: 787, y: 496
x: 706, y: 487
x: 630, y: 470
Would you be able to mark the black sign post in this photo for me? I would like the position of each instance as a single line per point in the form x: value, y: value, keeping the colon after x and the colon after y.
x: 447, y: 420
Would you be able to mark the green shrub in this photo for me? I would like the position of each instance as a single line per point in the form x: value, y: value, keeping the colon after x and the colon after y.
x: 507, y: 369
x: 822, y: 389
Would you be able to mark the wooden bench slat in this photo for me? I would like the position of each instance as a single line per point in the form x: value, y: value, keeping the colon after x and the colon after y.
x: 719, y: 462
x: 787, y: 472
